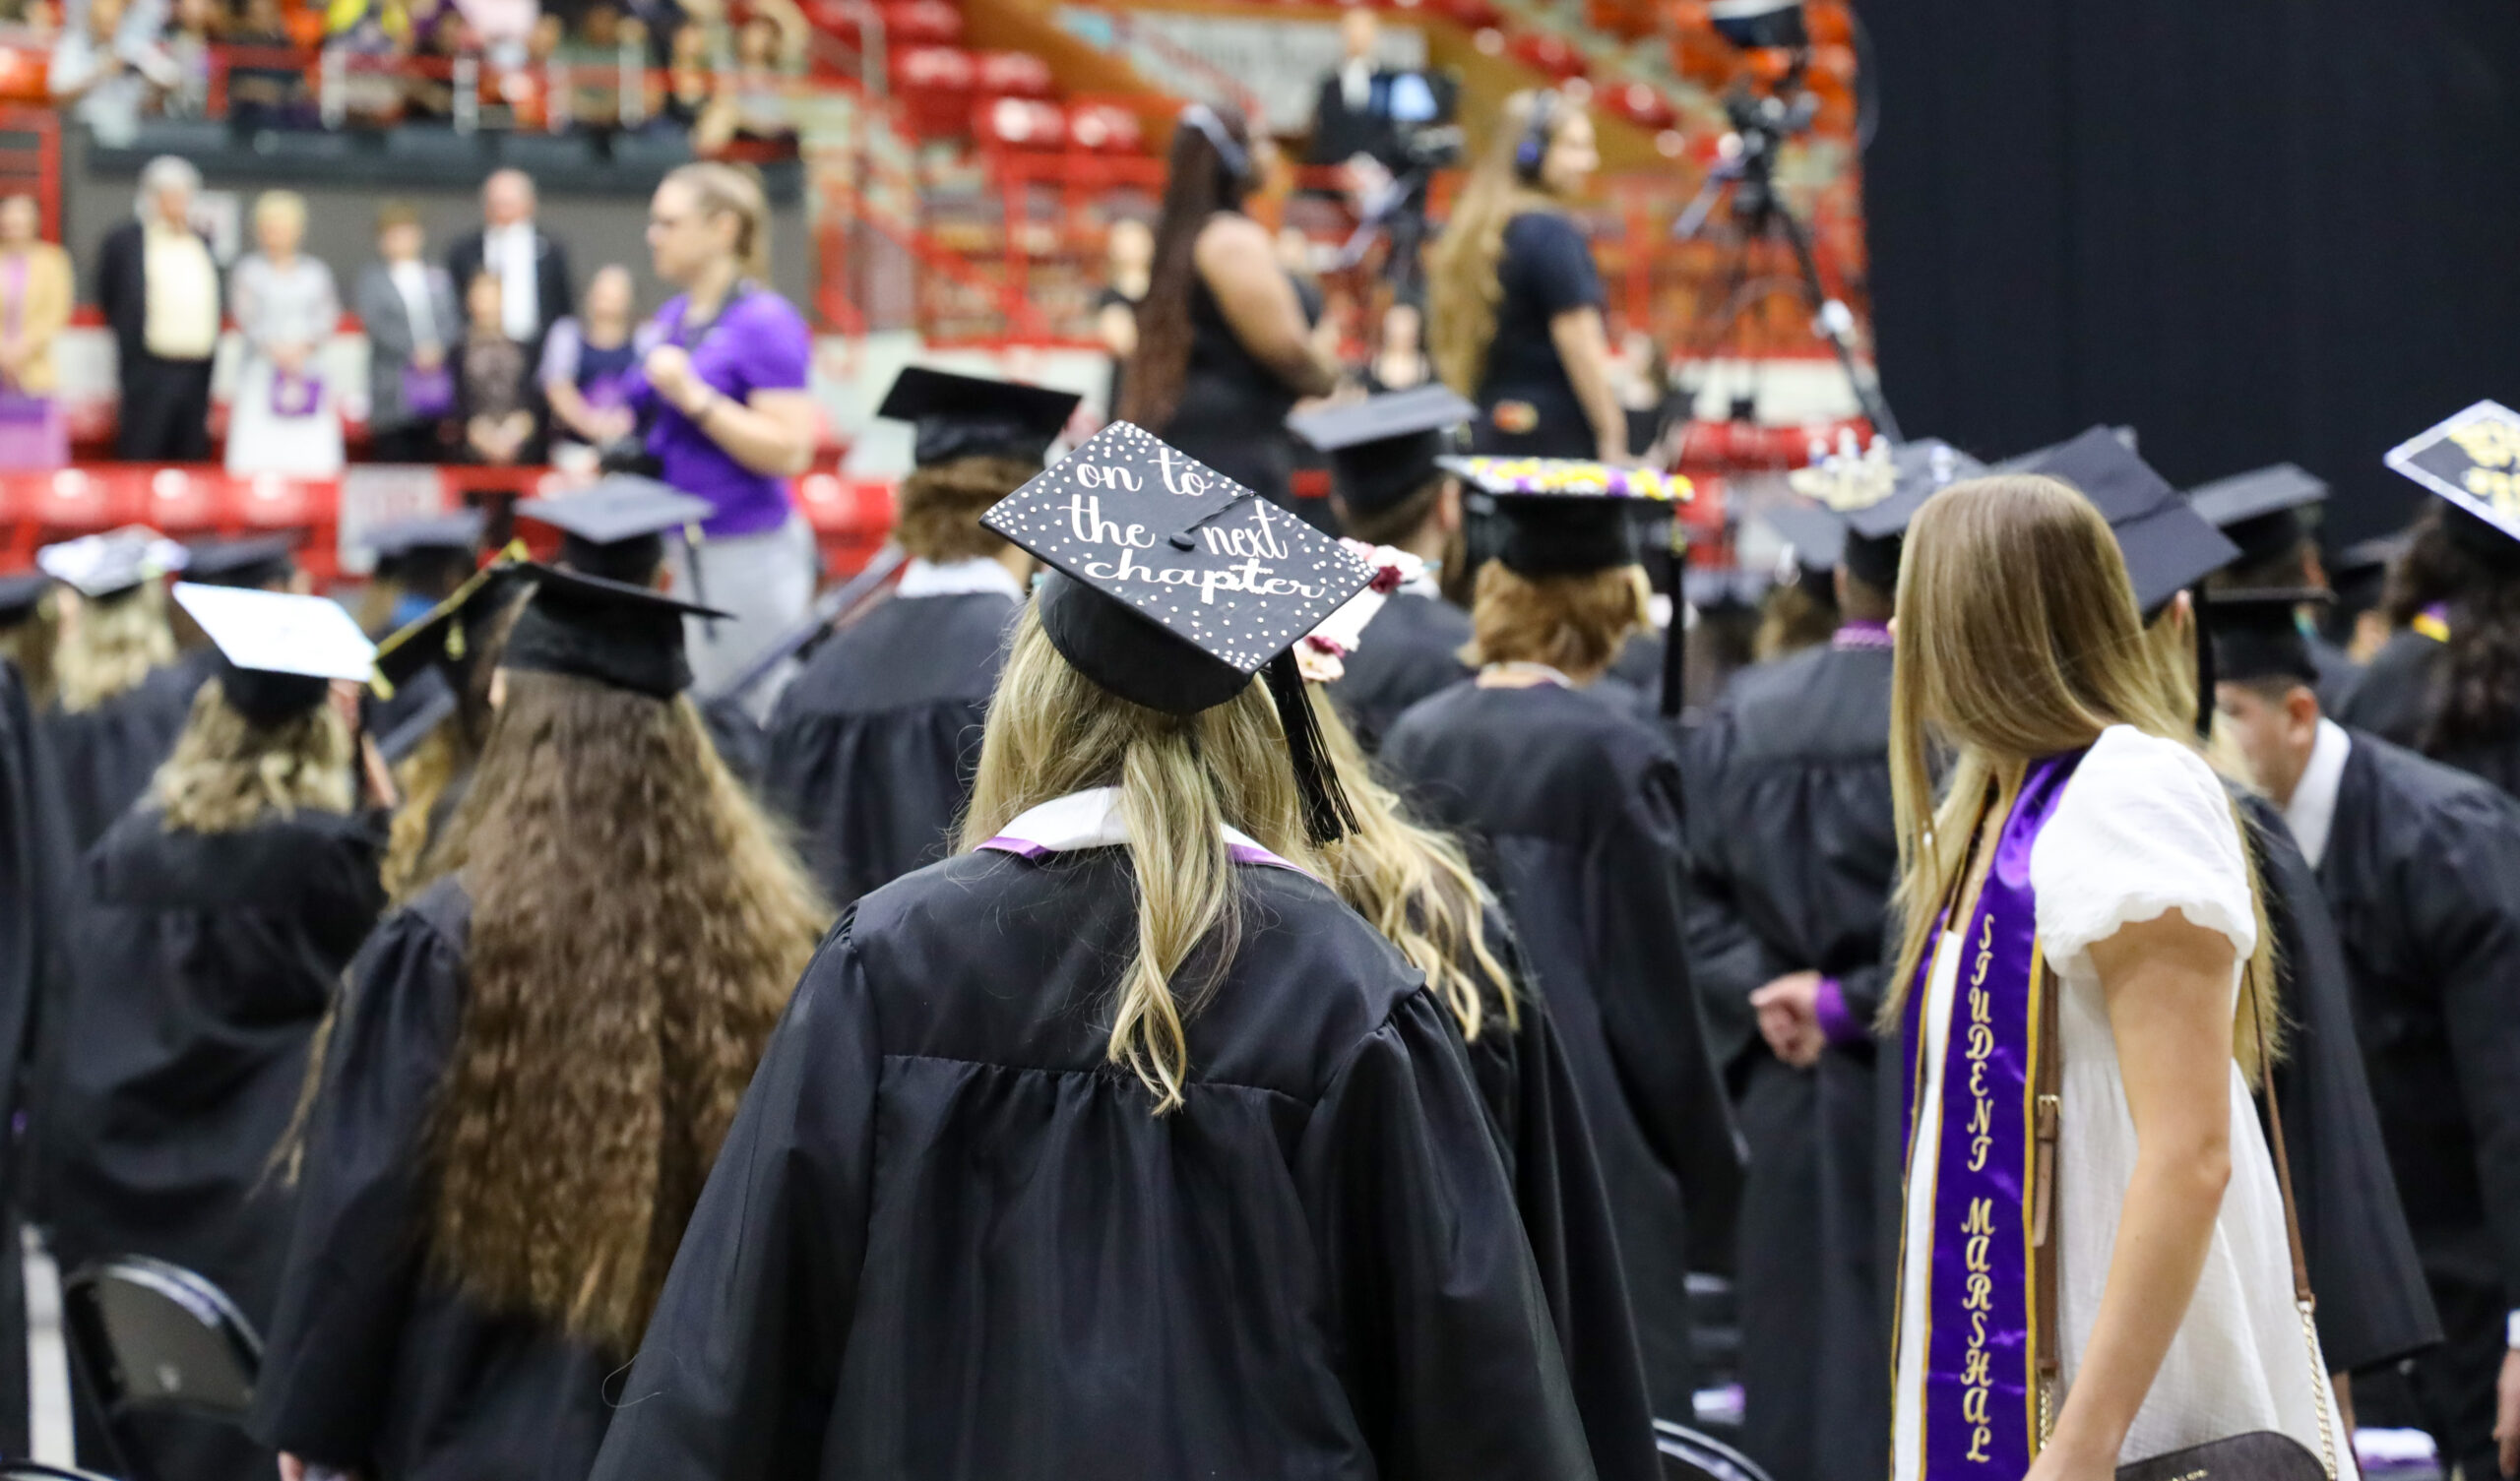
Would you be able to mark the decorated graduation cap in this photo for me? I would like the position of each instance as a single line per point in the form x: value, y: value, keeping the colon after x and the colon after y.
x: 1170, y: 586
x: 2257, y: 635
x: 104, y: 567
x: 617, y: 529
x: 255, y: 561
x: 1384, y: 450
x: 976, y: 416
x: 1566, y: 516
x: 1323, y: 654
x: 614, y: 633
x: 2261, y: 509
x: 2473, y: 462
x: 278, y: 653
x: 21, y: 596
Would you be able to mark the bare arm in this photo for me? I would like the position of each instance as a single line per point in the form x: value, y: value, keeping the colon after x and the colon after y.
x: 2168, y: 986
x: 1117, y: 326
x: 1584, y: 348
x: 1236, y: 262
x: 773, y: 433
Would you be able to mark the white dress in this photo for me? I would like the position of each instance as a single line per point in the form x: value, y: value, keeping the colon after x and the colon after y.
x: 2143, y: 828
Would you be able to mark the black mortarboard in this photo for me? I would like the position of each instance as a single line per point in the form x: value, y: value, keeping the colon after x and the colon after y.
x: 102, y: 567
x: 260, y: 560
x: 2260, y: 510
x: 1171, y: 584
x: 20, y: 595
x: 1815, y: 536
x: 1384, y: 450
x: 976, y: 416
x: 427, y: 544
x: 628, y: 637
x: 417, y: 710
x: 1567, y: 515
x: 278, y: 653
x: 2257, y: 635
x: 2169, y: 547
x: 448, y: 635
x: 2473, y: 462
x: 616, y: 530
x: 2359, y: 573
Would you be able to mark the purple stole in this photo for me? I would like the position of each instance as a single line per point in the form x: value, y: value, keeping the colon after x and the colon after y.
x: 1981, y: 1401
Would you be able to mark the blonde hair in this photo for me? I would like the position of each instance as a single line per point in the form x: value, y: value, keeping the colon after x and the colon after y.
x: 1462, y: 289
x: 278, y: 204
x: 1575, y: 624
x: 728, y: 190
x: 1412, y: 883
x: 227, y: 773
x: 30, y: 645
x: 1182, y: 780
x: 108, y: 646
x: 2003, y: 669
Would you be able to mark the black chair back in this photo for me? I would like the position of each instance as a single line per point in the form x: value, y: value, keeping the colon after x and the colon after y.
x: 147, y: 1335
x: 1694, y: 1455
x: 36, y: 1470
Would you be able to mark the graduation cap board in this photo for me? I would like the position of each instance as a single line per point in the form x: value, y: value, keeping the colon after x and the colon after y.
x: 20, y: 595
x: 2169, y: 547
x: 448, y: 635
x: 1385, y: 449
x: 255, y: 561
x: 2260, y: 510
x: 975, y: 417
x: 1171, y: 584
x: 2473, y: 462
x: 457, y: 531
x: 1566, y: 516
x: 101, y: 567
x: 1869, y: 499
x: 616, y: 530
x: 279, y: 652
x: 613, y: 633
x: 2257, y: 635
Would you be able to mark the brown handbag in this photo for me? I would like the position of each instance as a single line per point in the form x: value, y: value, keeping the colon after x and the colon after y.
x: 2260, y: 1454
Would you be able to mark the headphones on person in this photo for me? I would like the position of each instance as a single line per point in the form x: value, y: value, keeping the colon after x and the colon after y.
x: 1237, y: 161
x: 1534, y: 148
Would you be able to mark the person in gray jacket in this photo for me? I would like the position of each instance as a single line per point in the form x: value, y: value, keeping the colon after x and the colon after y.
x: 407, y: 304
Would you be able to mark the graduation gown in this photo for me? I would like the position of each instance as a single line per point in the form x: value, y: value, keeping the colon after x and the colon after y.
x: 108, y: 755
x: 947, y: 1241
x: 1410, y: 649
x: 374, y: 1362
x: 2421, y: 873
x: 205, y: 962
x: 1572, y: 812
x: 1793, y: 856
x: 2396, y: 695
x: 872, y: 748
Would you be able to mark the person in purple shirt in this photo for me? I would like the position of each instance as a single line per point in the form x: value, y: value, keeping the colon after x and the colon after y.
x: 724, y: 396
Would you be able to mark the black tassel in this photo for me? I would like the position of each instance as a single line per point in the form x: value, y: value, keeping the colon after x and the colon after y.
x: 1675, y: 642
x: 2204, y: 667
x: 1326, y: 813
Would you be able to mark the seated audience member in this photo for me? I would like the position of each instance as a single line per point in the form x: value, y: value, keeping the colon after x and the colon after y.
x: 266, y: 86
x: 588, y: 361
x: 35, y: 307
x: 407, y: 304
x: 493, y: 394
x: 99, y: 78
x: 751, y: 106
x: 688, y: 81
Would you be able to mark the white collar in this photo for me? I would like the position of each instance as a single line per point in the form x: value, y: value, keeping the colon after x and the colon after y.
x: 1525, y: 668
x: 2312, y: 810
x: 1092, y: 818
x: 980, y: 573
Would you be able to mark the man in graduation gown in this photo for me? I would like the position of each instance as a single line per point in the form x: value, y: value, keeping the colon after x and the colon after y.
x: 2266, y: 513
x: 872, y: 748
x: 2420, y: 864
x: 1793, y: 857
x: 1387, y: 490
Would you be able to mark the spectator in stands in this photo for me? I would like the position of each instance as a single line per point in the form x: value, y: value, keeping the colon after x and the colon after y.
x: 158, y: 289
x: 35, y: 298
x: 191, y: 31
x: 268, y: 88
x: 531, y: 267
x: 1129, y: 249
x: 751, y: 106
x: 408, y: 305
x: 589, y: 361
x: 1400, y: 362
x: 1352, y: 114
x: 493, y: 397
x: 731, y: 417
x: 285, y: 417
x: 100, y: 79
x: 688, y: 81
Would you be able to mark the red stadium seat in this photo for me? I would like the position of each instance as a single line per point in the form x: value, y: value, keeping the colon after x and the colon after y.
x: 1014, y: 74
x: 271, y: 501
x: 1020, y: 123
x: 922, y: 23
x: 1640, y: 105
x: 1545, y: 51
x: 933, y: 69
x: 1104, y: 129
x: 182, y: 499
x: 1470, y: 15
x: 78, y: 501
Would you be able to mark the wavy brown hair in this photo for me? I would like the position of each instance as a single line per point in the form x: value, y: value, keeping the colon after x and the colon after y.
x: 226, y: 773
x: 1197, y: 187
x: 1462, y: 287
x: 940, y: 507
x: 1575, y: 624
x: 108, y: 647
x: 2479, y: 688
x: 637, y: 928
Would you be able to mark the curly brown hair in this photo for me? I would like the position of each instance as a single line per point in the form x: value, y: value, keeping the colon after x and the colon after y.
x: 1575, y: 624
x: 637, y: 929
x: 940, y: 507
x: 442, y: 761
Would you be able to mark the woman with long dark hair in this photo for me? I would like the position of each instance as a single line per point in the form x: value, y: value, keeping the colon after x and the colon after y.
x: 1116, y: 1145
x: 2447, y: 683
x: 1224, y: 348
x: 1514, y: 310
x: 536, y: 1064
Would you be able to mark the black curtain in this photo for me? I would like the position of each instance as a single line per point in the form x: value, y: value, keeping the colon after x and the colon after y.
x: 2256, y: 230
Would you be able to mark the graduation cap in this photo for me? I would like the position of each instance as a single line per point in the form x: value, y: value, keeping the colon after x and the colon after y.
x: 255, y: 561
x: 102, y: 567
x: 1170, y: 586
x: 1384, y: 450
x: 2257, y: 635
x: 278, y: 653
x: 2260, y: 510
x: 617, y: 634
x: 410, y: 550
x: 1814, y: 538
x: 617, y: 529
x: 21, y: 596
x: 1566, y: 516
x: 448, y: 635
x: 2359, y: 573
x: 2169, y: 546
x: 976, y: 416
x: 2473, y: 462
x: 413, y: 716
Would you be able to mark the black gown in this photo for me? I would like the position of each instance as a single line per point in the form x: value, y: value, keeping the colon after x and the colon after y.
x: 108, y: 755
x: 204, y: 963
x: 375, y: 1363
x: 2396, y: 696
x: 947, y: 1240
x: 1793, y: 856
x: 1410, y: 649
x: 1572, y: 812
x: 872, y: 748
x: 2421, y: 873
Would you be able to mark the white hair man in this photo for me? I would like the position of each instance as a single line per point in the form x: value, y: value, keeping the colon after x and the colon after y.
x: 160, y: 292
